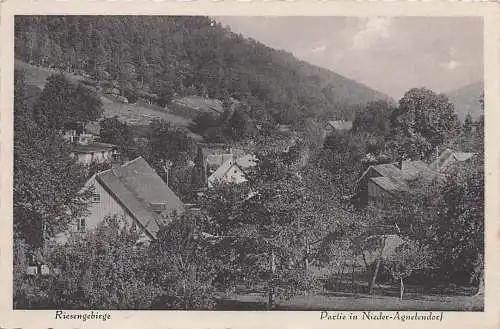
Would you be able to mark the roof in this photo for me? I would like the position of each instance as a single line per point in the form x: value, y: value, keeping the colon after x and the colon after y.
x: 390, y: 183
x: 206, y: 151
x: 340, y: 124
x: 93, y: 147
x: 241, y: 163
x: 394, y: 179
x: 141, y: 191
x: 247, y: 161
x: 447, y: 157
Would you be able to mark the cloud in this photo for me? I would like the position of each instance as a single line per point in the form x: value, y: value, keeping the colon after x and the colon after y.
x: 451, y: 64
x: 372, y: 30
x: 319, y: 49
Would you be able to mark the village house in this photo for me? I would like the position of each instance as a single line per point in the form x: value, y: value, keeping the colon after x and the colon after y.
x: 336, y: 126
x: 132, y: 190
x: 382, y: 182
x: 85, y: 145
x: 232, y: 170
x: 211, y: 156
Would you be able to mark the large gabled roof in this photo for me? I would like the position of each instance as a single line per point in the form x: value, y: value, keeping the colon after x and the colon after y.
x: 140, y: 190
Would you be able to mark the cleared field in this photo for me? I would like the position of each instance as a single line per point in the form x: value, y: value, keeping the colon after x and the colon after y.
x: 140, y: 114
x: 133, y: 114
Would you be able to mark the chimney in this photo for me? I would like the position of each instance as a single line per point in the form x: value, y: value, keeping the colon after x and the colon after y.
x: 116, y: 163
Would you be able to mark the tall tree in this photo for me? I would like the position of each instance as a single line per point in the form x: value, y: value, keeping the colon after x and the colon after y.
x: 427, y: 116
x: 63, y: 102
x: 46, y: 179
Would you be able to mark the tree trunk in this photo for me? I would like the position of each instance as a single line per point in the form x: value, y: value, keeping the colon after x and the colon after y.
x: 307, y: 255
x: 402, y: 289
x: 271, y: 298
x: 480, y: 266
x: 377, y: 267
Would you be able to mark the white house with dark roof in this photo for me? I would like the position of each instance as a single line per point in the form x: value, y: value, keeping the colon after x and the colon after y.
x: 232, y: 170
x: 133, y: 190
x: 84, y: 142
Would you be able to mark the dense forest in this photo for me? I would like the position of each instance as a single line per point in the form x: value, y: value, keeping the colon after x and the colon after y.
x: 167, y: 56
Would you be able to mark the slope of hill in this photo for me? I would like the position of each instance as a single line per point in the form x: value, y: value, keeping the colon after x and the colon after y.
x: 166, y: 55
x: 466, y: 100
x: 139, y: 114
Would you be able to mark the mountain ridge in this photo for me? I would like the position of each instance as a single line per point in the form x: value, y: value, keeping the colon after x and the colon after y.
x: 466, y: 100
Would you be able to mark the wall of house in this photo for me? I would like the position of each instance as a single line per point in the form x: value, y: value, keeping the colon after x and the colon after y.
x: 101, y: 156
x: 106, y: 206
x: 234, y: 175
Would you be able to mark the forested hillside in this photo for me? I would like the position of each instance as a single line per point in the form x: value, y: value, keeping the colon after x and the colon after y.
x: 165, y: 56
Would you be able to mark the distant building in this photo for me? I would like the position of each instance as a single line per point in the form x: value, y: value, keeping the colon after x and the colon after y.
x: 232, y: 171
x: 337, y: 126
x: 444, y: 162
x: 210, y: 157
x: 384, y: 181
x: 85, y: 146
x: 93, y: 152
x: 132, y: 190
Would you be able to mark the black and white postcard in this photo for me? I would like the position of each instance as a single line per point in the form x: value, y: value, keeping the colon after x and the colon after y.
x: 338, y: 161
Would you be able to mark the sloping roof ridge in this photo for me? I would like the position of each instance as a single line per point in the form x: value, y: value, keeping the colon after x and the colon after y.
x: 132, y: 161
x: 130, y: 211
x: 221, y: 173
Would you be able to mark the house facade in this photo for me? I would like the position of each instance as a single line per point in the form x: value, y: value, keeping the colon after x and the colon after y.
x: 132, y: 190
x: 85, y: 146
x: 232, y: 170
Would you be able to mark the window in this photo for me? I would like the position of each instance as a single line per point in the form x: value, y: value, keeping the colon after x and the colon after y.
x: 96, y: 198
x: 81, y: 224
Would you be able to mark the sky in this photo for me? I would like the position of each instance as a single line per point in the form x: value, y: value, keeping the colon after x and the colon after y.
x: 388, y: 54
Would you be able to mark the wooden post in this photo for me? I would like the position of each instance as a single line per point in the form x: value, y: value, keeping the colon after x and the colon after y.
x: 402, y: 289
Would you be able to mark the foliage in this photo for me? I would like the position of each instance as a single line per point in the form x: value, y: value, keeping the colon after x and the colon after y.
x: 374, y: 118
x: 269, y: 228
x: 408, y: 257
x: 448, y: 217
x: 103, y: 269
x: 185, y: 55
x: 426, y: 119
x: 115, y: 132
x: 46, y: 179
x: 63, y: 102
x: 182, y: 263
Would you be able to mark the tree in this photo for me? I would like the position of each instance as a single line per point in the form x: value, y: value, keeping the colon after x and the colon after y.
x: 115, y: 132
x: 270, y: 228
x: 467, y: 126
x: 46, y: 179
x: 408, y: 257
x: 63, y: 102
x: 184, y: 265
x: 103, y: 269
x: 374, y: 119
x: 422, y: 114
